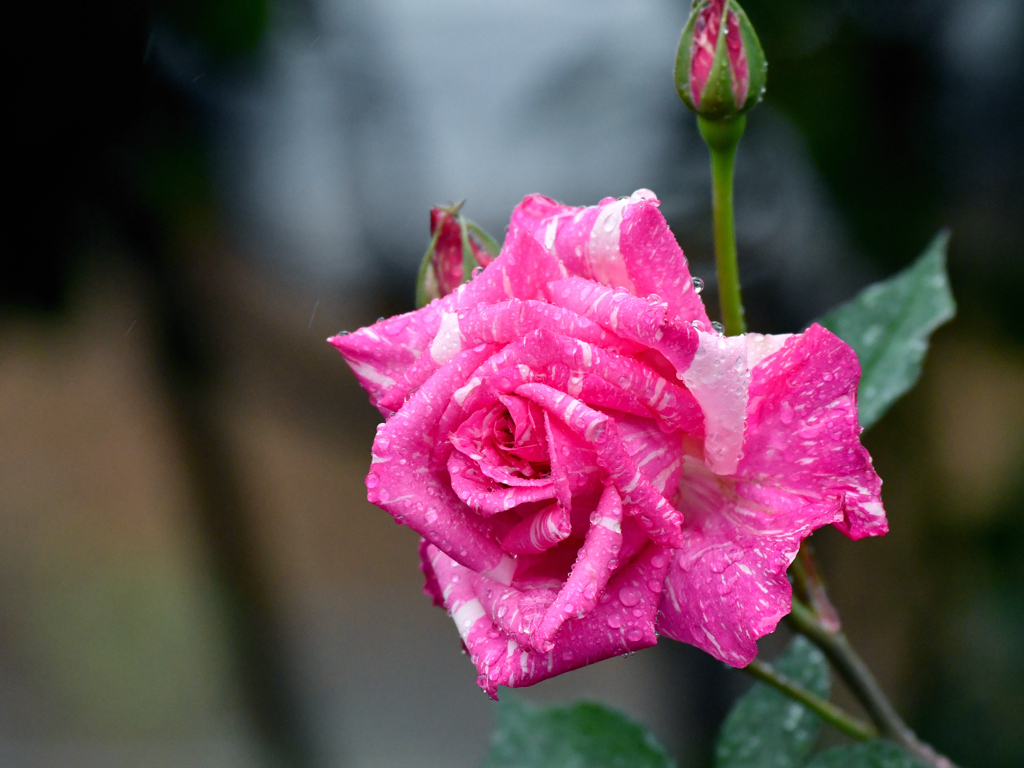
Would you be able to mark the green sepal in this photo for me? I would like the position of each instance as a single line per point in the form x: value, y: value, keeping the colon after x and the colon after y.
x: 682, y: 70
x: 469, y: 261
x: 757, y: 64
x: 426, y: 280
x: 492, y: 246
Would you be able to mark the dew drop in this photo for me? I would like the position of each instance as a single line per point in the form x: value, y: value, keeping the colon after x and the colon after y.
x: 372, y: 481
x: 785, y: 412
x: 615, y: 621
x: 637, y: 613
x: 431, y: 515
x: 658, y: 561
x: 629, y: 596
x: 698, y: 285
x: 717, y: 326
x: 635, y: 635
x: 655, y: 586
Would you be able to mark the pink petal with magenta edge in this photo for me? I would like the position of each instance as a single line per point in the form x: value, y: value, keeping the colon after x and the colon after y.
x: 620, y: 623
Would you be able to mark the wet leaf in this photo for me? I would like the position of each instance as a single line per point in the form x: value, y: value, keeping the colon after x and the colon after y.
x: 889, y: 324
x: 869, y: 754
x: 766, y: 728
x: 582, y: 735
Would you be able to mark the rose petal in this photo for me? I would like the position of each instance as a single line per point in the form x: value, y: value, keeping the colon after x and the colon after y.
x: 624, y: 623
x: 640, y: 499
x: 594, y: 565
x: 403, y: 481
x: 575, y: 469
x: 539, y: 532
x: 619, y: 243
x: 539, y: 355
x: 802, y: 430
x: 646, y: 321
x: 656, y: 453
x: 381, y: 354
x: 718, y: 378
x: 488, y: 496
x: 727, y: 585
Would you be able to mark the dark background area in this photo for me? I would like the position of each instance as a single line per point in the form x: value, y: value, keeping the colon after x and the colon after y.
x: 189, y: 574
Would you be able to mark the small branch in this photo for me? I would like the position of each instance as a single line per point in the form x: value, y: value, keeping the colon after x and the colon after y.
x: 828, y: 711
x: 863, y: 685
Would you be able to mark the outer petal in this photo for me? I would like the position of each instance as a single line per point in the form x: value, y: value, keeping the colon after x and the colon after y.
x: 802, y: 430
x: 386, y: 356
x: 727, y: 584
x: 623, y: 621
x: 620, y: 243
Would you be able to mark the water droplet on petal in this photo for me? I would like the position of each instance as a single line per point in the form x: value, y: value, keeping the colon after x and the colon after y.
x: 372, y: 480
x: 698, y: 285
x: 615, y: 621
x: 655, y: 586
x: 431, y: 515
x: 629, y: 596
x: 635, y: 635
x: 717, y: 326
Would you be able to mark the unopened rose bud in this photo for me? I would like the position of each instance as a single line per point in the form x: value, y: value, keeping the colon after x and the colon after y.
x: 457, y: 247
x: 720, y: 67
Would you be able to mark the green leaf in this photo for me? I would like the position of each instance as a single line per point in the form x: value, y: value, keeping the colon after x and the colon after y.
x: 868, y: 754
x: 888, y: 324
x: 581, y: 735
x: 766, y: 728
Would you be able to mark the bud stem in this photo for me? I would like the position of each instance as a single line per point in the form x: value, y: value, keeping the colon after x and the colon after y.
x: 722, y: 137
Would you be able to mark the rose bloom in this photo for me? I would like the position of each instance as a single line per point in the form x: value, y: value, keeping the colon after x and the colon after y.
x: 591, y: 464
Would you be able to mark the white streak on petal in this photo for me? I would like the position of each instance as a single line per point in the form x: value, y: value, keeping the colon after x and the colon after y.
x: 448, y: 341
x: 466, y: 615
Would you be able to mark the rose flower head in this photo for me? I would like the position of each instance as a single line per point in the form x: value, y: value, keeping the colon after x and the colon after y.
x: 589, y: 463
x: 720, y: 67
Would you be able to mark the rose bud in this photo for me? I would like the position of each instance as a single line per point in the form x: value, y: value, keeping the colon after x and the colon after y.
x: 457, y: 247
x: 720, y: 67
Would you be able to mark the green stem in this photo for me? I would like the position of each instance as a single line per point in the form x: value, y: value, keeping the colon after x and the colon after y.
x: 862, y: 684
x: 828, y: 711
x: 722, y: 137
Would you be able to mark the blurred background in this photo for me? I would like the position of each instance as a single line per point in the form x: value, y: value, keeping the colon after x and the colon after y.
x: 202, y: 192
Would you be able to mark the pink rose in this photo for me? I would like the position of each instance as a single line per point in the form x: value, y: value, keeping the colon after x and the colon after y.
x: 590, y: 464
